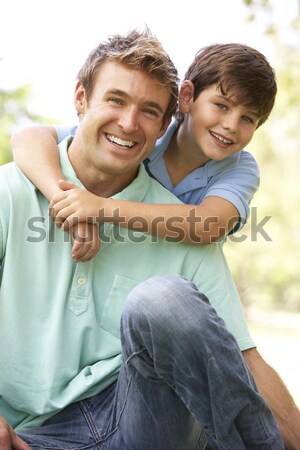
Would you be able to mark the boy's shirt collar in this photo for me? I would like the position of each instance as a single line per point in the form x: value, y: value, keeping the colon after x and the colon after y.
x: 156, y: 165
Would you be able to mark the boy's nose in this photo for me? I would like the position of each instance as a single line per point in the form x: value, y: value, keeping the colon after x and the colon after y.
x: 230, y: 122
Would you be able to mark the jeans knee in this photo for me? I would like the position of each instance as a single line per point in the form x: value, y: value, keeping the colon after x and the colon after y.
x: 165, y: 299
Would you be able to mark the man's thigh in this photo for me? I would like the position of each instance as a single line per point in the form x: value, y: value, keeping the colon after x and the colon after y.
x: 82, y: 425
x: 152, y: 417
x: 135, y: 413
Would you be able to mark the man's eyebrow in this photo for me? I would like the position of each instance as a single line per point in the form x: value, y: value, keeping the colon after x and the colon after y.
x: 118, y: 92
x: 123, y: 94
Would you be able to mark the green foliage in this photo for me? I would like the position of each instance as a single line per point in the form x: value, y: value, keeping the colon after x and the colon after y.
x: 267, y: 271
x: 13, y: 112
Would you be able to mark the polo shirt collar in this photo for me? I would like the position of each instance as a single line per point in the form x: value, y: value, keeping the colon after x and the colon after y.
x: 135, y: 191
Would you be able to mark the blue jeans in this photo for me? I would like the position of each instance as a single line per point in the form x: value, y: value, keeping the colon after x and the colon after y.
x: 183, y: 384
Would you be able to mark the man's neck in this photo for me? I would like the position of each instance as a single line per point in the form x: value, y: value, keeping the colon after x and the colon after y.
x: 104, y: 185
x: 96, y: 181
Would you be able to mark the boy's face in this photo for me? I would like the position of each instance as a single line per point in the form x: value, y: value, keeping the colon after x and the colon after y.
x: 215, y: 127
x: 121, y: 120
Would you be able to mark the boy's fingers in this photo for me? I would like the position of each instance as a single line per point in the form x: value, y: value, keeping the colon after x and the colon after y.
x: 82, y: 252
x: 65, y: 185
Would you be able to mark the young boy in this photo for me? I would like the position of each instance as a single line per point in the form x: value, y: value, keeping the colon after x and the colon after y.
x: 228, y: 92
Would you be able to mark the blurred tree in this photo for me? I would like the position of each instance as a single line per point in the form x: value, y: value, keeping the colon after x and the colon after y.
x: 14, y: 112
x: 264, y: 260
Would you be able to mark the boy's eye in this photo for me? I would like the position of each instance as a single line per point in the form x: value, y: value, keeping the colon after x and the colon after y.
x: 221, y: 106
x: 247, y: 119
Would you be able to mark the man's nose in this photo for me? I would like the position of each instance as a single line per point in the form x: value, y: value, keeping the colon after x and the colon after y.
x: 128, y: 120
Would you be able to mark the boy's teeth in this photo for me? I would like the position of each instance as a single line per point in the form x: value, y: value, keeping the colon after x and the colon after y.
x: 119, y: 141
x: 220, y: 138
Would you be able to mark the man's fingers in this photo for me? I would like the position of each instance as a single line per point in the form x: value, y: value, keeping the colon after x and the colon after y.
x: 9, y: 440
x: 18, y: 443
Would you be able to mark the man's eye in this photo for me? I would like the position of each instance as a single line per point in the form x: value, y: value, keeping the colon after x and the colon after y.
x: 118, y: 101
x: 151, y: 112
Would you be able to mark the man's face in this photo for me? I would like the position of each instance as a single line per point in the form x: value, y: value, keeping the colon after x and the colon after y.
x: 122, y: 119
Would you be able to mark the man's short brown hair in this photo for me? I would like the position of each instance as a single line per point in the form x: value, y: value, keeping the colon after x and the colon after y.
x: 139, y: 50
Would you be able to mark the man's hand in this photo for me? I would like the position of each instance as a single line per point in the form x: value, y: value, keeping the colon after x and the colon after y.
x: 9, y: 440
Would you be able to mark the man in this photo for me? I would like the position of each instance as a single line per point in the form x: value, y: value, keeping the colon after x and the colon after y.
x: 174, y: 377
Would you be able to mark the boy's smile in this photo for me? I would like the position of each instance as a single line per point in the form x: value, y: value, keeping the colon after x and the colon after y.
x: 214, y: 127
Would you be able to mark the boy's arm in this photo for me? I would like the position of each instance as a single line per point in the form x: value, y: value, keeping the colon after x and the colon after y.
x: 279, y: 399
x: 193, y: 224
x: 35, y: 152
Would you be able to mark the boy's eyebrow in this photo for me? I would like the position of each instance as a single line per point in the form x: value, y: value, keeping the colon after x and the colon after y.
x: 123, y: 94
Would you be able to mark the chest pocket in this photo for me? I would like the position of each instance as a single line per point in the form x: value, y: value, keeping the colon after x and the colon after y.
x: 110, y: 318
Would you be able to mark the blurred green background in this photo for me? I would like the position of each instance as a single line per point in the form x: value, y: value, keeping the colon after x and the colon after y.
x: 264, y: 256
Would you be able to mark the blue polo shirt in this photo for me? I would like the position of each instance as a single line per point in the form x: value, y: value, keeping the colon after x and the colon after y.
x: 60, y: 320
x: 235, y: 178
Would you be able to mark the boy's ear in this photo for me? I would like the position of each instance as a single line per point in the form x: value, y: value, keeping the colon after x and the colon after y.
x: 80, y: 99
x: 186, y: 96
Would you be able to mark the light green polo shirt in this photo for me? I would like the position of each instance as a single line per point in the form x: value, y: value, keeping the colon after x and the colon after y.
x: 59, y: 321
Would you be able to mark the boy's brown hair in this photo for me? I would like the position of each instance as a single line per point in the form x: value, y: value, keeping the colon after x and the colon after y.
x: 139, y: 50
x: 240, y: 72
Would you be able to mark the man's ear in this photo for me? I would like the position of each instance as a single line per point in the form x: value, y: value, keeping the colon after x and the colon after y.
x: 80, y: 98
x: 186, y: 96
x: 164, y: 127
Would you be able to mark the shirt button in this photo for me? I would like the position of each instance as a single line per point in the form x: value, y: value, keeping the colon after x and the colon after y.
x: 81, y: 280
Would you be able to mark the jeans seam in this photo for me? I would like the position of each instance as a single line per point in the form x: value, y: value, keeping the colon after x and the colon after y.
x: 121, y: 412
x: 90, y: 422
x: 47, y: 447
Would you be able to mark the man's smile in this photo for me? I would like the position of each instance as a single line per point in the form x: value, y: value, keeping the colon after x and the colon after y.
x: 119, y: 141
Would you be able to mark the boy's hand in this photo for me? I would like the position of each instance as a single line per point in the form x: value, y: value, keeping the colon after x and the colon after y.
x: 86, y: 241
x: 73, y: 205
x: 9, y: 440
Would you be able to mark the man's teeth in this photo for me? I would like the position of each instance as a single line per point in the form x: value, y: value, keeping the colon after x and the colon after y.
x: 225, y: 141
x: 119, y: 141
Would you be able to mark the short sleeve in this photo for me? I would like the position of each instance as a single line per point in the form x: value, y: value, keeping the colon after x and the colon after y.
x: 213, y: 278
x: 64, y: 131
x: 238, y: 185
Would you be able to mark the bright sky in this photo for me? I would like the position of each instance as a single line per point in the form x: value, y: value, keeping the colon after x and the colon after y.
x: 45, y: 42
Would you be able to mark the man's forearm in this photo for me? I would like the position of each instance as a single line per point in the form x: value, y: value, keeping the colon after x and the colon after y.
x: 273, y: 390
